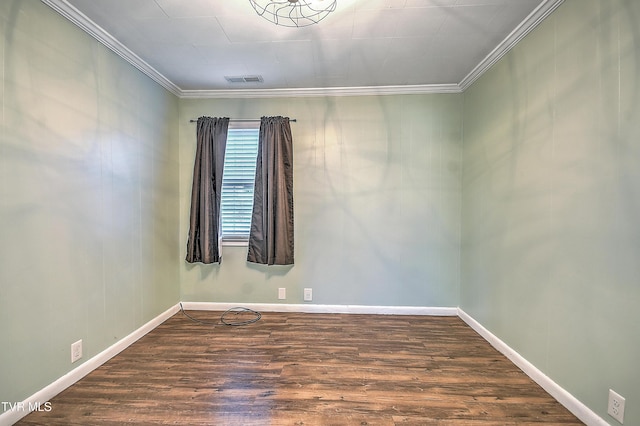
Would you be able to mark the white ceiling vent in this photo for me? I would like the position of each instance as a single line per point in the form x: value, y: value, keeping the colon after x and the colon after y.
x: 244, y: 79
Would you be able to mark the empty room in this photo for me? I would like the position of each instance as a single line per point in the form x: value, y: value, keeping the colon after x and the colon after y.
x: 320, y: 212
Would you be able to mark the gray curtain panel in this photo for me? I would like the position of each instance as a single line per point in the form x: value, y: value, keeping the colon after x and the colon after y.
x: 271, y: 235
x: 204, y: 222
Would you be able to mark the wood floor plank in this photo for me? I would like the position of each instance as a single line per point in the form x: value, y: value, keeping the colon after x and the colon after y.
x: 307, y: 369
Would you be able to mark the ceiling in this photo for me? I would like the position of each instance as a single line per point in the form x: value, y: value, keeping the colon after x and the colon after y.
x: 388, y: 46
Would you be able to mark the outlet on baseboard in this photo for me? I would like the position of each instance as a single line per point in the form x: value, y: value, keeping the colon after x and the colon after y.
x: 282, y: 293
x: 616, y: 406
x: 308, y: 295
x: 76, y: 350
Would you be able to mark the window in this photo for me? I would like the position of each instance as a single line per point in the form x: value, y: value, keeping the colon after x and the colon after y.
x: 238, y: 181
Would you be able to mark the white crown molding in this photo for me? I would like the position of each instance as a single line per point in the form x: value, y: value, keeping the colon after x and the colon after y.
x: 323, y: 91
x: 39, y: 398
x: 86, y: 24
x: 569, y: 401
x: 529, y: 24
x: 97, y: 32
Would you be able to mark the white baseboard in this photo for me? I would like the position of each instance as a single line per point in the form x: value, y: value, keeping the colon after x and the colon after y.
x: 323, y: 309
x: 571, y: 403
x: 10, y: 417
x: 576, y: 407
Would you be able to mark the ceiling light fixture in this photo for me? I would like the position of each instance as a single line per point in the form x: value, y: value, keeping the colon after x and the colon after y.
x: 294, y: 13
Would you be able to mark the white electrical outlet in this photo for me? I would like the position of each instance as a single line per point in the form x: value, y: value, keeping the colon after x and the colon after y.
x: 308, y: 295
x: 76, y: 350
x: 282, y: 293
x: 616, y: 406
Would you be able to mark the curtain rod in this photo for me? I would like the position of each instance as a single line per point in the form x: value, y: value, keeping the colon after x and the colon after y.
x: 243, y: 120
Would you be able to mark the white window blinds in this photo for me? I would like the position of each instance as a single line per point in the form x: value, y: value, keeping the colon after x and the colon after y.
x: 237, y: 183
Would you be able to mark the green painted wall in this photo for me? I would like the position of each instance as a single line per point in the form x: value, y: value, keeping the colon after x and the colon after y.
x: 88, y: 197
x: 377, y: 202
x: 96, y: 165
x: 551, y: 201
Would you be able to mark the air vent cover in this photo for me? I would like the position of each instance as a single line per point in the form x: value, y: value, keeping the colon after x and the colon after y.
x: 244, y: 78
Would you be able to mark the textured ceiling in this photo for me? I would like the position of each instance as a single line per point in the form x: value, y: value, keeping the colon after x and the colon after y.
x: 194, y: 44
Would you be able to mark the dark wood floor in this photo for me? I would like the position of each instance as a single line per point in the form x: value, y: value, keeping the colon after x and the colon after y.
x: 307, y: 369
